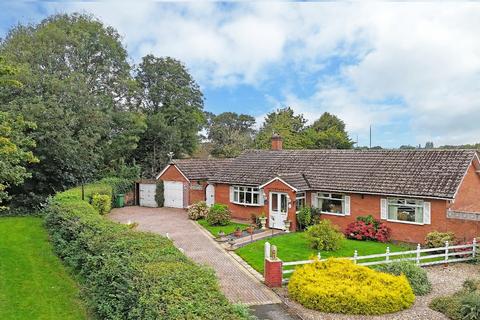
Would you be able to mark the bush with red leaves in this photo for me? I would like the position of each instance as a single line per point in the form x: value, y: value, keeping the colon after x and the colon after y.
x: 368, y: 228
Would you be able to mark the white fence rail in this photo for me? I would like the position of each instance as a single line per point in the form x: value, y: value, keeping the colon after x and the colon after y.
x: 440, y: 255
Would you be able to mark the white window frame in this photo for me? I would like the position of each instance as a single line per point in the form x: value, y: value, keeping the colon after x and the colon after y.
x: 321, y: 196
x: 301, y: 195
x: 419, y: 204
x: 254, y: 190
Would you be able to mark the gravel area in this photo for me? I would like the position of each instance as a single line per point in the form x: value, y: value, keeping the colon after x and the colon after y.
x: 445, y: 280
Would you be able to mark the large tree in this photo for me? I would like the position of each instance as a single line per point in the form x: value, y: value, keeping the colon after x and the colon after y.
x: 327, y: 132
x: 230, y: 134
x: 173, y: 103
x: 285, y: 123
x: 76, y: 78
x: 15, y: 145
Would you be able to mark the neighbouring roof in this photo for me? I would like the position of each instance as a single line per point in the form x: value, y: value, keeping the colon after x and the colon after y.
x: 200, y: 169
x: 423, y: 173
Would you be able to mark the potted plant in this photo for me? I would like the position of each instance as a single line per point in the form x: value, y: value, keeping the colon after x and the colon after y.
x: 263, y: 220
x: 238, y: 232
x: 251, y: 229
x: 287, y: 225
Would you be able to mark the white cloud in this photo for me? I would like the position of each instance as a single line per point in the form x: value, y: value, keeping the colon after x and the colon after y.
x: 425, y: 57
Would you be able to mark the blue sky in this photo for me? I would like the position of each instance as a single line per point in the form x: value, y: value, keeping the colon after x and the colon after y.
x: 411, y: 70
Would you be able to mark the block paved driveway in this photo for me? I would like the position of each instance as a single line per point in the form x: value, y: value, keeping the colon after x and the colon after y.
x: 236, y: 282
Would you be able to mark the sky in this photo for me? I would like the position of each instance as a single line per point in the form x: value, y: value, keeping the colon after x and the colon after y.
x: 411, y: 70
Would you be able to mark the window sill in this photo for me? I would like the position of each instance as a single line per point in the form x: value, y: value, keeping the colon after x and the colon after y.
x: 406, y: 222
x: 247, y: 204
x: 334, y: 214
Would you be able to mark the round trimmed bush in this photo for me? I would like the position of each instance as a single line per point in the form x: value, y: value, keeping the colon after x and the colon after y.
x: 340, y: 286
x: 218, y: 215
x: 325, y: 236
x: 198, y: 210
x: 417, y: 277
x: 437, y: 239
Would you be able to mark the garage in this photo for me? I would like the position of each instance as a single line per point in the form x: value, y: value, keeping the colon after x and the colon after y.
x: 147, y: 193
x: 173, y: 193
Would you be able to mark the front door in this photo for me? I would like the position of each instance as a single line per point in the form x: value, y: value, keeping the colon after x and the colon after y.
x: 210, y: 195
x: 278, y: 210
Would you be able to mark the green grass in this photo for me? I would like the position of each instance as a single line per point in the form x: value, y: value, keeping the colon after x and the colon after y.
x: 214, y: 230
x: 295, y: 247
x: 33, y: 282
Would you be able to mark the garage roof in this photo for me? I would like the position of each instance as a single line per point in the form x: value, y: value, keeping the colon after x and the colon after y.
x: 200, y: 169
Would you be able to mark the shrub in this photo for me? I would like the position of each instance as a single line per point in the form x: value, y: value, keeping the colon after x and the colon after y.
x: 159, y: 195
x: 436, y: 239
x: 417, y: 277
x: 470, y: 306
x: 340, y: 286
x: 368, y: 228
x: 449, y: 306
x: 325, y: 236
x: 128, y: 274
x: 118, y: 185
x: 463, y: 304
x: 102, y: 203
x: 304, y: 218
x: 218, y: 215
x: 198, y: 210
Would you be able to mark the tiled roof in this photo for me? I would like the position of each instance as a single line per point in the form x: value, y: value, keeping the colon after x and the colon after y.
x: 424, y: 173
x: 199, y: 169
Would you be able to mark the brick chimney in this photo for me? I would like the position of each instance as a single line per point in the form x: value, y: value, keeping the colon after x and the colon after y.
x: 277, y: 142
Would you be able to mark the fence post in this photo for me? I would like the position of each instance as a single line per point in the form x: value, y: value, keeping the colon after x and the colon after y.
x: 387, y: 255
x: 267, y: 250
x: 446, y: 251
x: 418, y: 254
x: 273, y: 269
x: 474, y: 247
x: 355, y: 255
x: 319, y: 256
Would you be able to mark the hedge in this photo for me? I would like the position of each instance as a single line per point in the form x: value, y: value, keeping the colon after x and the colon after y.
x: 126, y: 274
x: 340, y: 286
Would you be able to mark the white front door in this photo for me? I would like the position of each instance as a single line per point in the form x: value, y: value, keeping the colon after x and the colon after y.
x: 278, y: 210
x: 147, y: 194
x: 173, y: 194
x: 210, y: 195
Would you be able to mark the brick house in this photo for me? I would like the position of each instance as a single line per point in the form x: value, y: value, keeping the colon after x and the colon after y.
x: 412, y: 191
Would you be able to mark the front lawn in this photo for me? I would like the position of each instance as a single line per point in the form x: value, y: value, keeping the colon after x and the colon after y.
x: 229, y: 228
x: 33, y: 282
x: 294, y: 247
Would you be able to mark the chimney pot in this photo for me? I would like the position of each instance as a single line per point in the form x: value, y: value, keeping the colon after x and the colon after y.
x: 277, y: 142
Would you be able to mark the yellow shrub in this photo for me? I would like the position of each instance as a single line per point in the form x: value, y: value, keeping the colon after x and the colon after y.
x: 340, y: 286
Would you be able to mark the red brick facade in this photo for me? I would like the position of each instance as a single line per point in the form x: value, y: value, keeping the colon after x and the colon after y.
x: 467, y: 199
x: 273, y: 273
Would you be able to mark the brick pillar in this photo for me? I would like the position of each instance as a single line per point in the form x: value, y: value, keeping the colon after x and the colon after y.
x: 273, y: 272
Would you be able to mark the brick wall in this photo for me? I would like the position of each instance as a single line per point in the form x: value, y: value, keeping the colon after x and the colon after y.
x: 273, y: 273
x: 468, y: 196
x: 197, y: 191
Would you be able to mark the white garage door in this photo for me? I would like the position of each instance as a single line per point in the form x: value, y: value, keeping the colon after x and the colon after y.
x: 147, y: 194
x: 173, y: 192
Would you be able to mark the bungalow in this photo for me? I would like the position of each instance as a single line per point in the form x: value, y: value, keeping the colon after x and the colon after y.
x: 413, y: 191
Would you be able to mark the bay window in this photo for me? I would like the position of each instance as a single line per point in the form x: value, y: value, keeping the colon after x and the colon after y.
x: 246, y: 195
x: 406, y: 210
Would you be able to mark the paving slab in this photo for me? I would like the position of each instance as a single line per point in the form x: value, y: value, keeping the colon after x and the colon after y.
x: 237, y: 283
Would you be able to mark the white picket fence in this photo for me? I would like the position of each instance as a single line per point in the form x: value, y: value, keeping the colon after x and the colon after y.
x: 441, y: 255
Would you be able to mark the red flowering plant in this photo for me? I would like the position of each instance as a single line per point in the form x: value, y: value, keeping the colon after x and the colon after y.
x: 368, y: 228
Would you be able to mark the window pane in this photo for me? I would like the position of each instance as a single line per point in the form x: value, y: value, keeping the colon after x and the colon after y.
x: 331, y: 206
x: 337, y: 196
x: 242, y: 197
x: 255, y: 198
x: 283, y: 203
x: 248, y: 197
x: 300, y: 203
x: 274, y: 202
x: 235, y: 196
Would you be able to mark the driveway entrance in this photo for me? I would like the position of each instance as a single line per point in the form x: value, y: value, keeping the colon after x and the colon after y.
x: 236, y: 282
